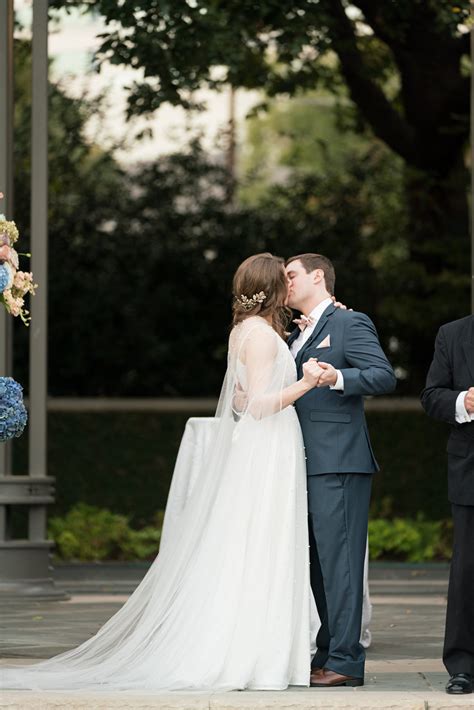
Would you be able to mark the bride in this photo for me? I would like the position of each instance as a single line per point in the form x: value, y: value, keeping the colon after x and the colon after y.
x: 226, y: 604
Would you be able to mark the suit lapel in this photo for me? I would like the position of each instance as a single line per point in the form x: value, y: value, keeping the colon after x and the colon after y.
x: 292, y: 337
x: 468, y: 347
x: 320, y: 325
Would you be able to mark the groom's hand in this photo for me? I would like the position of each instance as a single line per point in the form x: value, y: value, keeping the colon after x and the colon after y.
x: 469, y: 400
x: 328, y: 377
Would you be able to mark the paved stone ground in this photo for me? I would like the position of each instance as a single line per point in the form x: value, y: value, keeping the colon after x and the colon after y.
x: 403, y: 664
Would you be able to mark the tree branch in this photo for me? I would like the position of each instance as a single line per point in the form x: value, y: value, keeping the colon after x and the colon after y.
x: 373, y: 14
x: 464, y: 42
x: 386, y: 122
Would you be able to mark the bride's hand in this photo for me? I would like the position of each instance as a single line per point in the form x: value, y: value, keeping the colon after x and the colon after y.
x: 311, y: 372
x: 240, y: 399
x: 340, y: 305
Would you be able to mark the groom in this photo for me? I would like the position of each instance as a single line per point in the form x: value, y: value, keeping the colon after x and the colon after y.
x: 340, y: 459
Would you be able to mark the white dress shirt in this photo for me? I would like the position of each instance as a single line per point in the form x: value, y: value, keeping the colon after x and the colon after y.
x: 462, y: 415
x: 305, y: 334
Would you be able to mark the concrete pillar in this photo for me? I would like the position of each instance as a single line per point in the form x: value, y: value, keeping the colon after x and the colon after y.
x: 25, y: 563
x: 6, y: 205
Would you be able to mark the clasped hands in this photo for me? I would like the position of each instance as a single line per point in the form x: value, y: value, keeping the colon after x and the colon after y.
x: 319, y: 374
x: 315, y: 374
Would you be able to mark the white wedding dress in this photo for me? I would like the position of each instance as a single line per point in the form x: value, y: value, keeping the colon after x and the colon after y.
x: 226, y: 604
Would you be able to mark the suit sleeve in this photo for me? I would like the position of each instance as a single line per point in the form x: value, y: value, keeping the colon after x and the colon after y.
x: 370, y: 372
x: 438, y: 399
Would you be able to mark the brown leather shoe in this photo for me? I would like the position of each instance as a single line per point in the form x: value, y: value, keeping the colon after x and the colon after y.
x: 329, y: 679
x: 314, y: 674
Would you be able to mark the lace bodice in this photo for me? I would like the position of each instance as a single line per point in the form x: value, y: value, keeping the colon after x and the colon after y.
x: 270, y: 353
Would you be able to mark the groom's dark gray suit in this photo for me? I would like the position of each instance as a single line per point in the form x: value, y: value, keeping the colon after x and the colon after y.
x: 340, y: 462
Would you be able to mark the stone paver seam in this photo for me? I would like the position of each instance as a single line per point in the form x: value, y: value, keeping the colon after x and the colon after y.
x: 423, y: 676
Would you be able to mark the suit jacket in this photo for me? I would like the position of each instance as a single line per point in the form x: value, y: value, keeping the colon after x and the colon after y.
x: 452, y: 372
x: 333, y: 423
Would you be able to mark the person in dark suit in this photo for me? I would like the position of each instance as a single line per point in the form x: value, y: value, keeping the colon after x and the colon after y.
x: 449, y: 396
x: 339, y: 459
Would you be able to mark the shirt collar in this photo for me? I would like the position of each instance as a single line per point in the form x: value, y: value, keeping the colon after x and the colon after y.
x: 317, y: 312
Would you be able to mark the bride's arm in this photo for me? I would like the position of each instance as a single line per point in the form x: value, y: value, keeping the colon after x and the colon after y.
x: 264, y: 397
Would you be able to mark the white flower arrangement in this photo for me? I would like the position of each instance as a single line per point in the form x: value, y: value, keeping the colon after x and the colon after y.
x: 14, y: 284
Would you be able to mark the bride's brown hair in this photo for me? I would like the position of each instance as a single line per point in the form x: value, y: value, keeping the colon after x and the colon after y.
x: 261, y: 272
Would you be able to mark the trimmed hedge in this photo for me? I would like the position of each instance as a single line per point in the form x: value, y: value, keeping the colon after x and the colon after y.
x: 87, y: 533
x: 124, y: 462
x: 411, y: 451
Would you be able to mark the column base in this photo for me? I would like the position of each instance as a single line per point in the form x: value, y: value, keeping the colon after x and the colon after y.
x: 25, y: 568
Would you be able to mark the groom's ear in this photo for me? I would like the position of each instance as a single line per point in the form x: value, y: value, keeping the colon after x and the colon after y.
x: 318, y: 276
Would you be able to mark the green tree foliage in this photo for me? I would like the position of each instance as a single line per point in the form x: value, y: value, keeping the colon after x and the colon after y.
x: 141, y: 264
x: 85, y: 187
x: 140, y: 302
x: 297, y: 135
x: 404, y: 65
x: 138, y: 260
x: 302, y: 141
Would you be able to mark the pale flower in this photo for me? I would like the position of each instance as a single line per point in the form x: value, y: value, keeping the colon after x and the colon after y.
x: 14, y: 260
x: 19, y: 283
x: 10, y: 255
x: 23, y: 282
x: 9, y: 228
x: 14, y: 305
x: 5, y: 253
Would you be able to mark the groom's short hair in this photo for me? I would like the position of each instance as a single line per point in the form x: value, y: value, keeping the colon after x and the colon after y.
x: 310, y: 262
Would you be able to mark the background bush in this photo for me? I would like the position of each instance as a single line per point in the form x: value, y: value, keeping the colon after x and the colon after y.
x: 88, y: 533
x: 408, y: 540
x: 124, y: 462
x: 113, y: 472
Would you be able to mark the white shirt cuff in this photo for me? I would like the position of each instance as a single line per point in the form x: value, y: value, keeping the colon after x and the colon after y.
x: 462, y: 415
x: 339, y: 382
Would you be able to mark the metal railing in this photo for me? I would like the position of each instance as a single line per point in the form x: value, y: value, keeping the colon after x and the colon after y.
x: 195, y: 405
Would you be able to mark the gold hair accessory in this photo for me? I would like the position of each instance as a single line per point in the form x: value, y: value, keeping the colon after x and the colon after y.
x: 249, y: 303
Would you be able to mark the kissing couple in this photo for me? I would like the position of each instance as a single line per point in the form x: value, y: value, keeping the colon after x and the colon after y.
x: 227, y: 604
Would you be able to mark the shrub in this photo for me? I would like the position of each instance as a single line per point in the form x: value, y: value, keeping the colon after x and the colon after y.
x: 123, y: 461
x: 88, y: 533
x: 410, y: 540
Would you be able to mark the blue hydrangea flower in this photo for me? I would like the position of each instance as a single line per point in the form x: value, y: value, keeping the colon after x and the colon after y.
x: 4, y: 277
x: 13, y: 415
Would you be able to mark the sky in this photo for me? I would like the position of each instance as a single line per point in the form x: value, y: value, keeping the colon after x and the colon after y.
x: 72, y: 42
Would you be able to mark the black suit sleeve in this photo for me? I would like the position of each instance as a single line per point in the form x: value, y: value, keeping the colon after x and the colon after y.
x: 439, y: 398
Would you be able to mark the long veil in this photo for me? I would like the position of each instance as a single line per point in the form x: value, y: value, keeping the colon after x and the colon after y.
x: 141, y: 644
